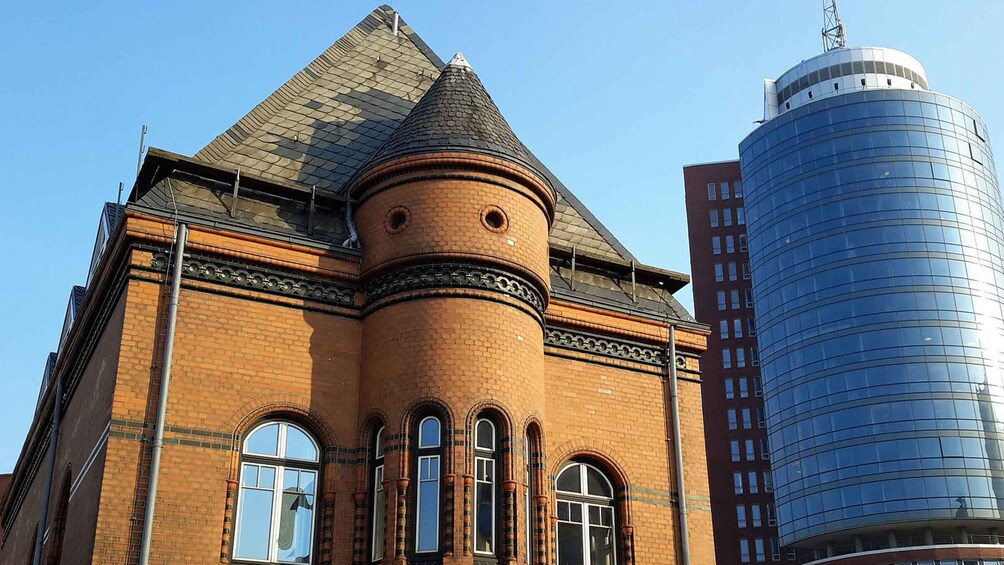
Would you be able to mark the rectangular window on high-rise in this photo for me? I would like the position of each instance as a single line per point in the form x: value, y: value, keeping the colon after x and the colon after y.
x: 744, y: 388
x: 740, y: 357
x: 733, y: 423
x: 747, y: 419
x: 761, y: 420
x: 730, y: 389
x: 726, y: 358
x: 735, y: 299
x: 751, y: 326
x: 732, y: 271
x: 737, y: 482
x: 734, y: 447
x: 711, y: 191
x: 754, y: 485
x: 748, y: 293
x: 744, y: 550
x: 719, y: 273
x: 714, y: 218
x: 764, y: 449
x: 750, y: 452
x: 771, y: 516
x: 730, y: 244
x: 716, y: 245
x: 757, y: 385
x: 755, y: 356
x: 755, y: 516
x: 737, y: 188
x: 743, y: 243
x: 768, y: 482
x: 725, y: 190
x: 746, y: 270
x: 737, y: 327
x: 741, y: 515
x: 727, y: 216
x: 721, y: 300
x: 760, y: 555
x: 741, y: 215
x: 775, y: 550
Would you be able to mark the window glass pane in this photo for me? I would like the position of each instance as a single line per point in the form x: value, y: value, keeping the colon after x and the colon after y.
x: 428, y: 503
x: 596, y: 484
x: 378, y: 450
x: 264, y: 441
x: 486, y: 435
x: 296, y: 518
x: 250, y: 475
x: 254, y: 524
x: 266, y: 478
x: 569, y: 480
x: 428, y: 434
x: 484, y: 511
x: 713, y: 214
x: 379, y: 513
x: 570, y: 544
x: 298, y: 445
x: 601, y: 545
x: 711, y: 191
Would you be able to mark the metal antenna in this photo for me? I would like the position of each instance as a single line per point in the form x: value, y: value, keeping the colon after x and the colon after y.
x: 833, y: 28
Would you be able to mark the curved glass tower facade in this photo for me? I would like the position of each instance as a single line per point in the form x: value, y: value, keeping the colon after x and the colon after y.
x: 876, y: 239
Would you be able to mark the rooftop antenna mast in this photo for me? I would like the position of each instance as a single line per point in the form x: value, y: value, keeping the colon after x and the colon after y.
x: 833, y: 27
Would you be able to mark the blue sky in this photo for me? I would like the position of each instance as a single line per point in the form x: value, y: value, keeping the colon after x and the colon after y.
x: 614, y: 97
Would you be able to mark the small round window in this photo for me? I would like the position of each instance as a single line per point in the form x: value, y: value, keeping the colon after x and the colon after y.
x: 493, y: 218
x: 397, y: 219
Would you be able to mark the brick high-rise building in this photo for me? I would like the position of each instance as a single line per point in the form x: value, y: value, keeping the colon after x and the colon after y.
x: 739, y: 465
x: 365, y: 324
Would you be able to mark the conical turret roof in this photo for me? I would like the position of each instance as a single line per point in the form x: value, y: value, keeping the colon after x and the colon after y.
x: 456, y: 114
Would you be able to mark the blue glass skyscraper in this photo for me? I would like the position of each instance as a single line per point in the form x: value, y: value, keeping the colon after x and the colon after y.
x: 876, y: 240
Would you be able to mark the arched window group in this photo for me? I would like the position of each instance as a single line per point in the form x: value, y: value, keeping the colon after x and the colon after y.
x: 275, y: 506
x: 279, y: 470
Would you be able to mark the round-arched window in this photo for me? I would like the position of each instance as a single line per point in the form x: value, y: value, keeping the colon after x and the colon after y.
x: 275, y: 507
x: 585, y: 516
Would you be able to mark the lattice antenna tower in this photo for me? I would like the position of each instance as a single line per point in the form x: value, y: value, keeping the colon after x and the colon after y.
x: 833, y: 27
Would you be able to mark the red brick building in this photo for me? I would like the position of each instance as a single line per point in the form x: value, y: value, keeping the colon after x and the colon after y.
x: 390, y: 335
x: 739, y: 465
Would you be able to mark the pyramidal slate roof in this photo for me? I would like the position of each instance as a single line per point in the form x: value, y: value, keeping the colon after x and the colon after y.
x: 330, y: 118
x: 455, y: 114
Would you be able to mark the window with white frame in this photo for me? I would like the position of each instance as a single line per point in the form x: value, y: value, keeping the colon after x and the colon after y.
x: 428, y: 459
x: 743, y: 243
x: 764, y: 449
x: 771, y: 516
x: 761, y: 419
x: 732, y: 271
x: 768, y: 482
x: 713, y: 216
x: 275, y: 506
x: 485, y: 488
x: 712, y: 193
x: 746, y: 270
x: 379, y: 498
x: 754, y: 486
x: 737, y: 327
x: 727, y: 217
x: 737, y: 481
x: 586, y: 533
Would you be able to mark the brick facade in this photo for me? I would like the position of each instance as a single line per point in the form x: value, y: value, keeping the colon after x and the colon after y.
x: 446, y: 311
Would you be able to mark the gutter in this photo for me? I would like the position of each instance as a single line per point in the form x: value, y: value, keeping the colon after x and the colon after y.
x: 677, y: 443
x: 181, y: 237
x: 57, y: 416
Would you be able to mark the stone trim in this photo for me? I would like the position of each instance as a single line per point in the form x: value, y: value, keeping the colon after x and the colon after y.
x: 634, y: 351
x: 456, y: 275
x: 258, y: 278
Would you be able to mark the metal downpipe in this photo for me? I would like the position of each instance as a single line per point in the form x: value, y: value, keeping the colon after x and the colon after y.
x: 57, y: 416
x: 678, y: 449
x: 181, y: 237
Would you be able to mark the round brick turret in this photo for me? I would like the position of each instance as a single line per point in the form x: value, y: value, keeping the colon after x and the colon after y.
x: 453, y: 219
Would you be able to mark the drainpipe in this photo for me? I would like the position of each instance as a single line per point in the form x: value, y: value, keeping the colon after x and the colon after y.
x: 57, y: 415
x: 676, y: 440
x: 181, y: 237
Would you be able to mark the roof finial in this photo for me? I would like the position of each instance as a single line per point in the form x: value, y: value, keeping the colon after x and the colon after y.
x: 459, y: 61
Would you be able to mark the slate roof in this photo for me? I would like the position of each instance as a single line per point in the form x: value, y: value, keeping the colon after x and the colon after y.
x: 456, y: 113
x: 320, y: 126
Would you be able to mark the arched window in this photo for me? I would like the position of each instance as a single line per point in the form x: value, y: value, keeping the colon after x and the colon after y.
x: 532, y: 460
x: 585, y: 516
x: 486, y: 516
x: 429, y: 457
x: 275, y: 509
x: 379, y: 498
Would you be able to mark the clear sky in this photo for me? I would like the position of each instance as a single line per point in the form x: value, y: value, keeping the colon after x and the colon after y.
x: 615, y: 97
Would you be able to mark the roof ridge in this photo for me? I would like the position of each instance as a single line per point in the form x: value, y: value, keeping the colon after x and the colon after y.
x: 222, y: 145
